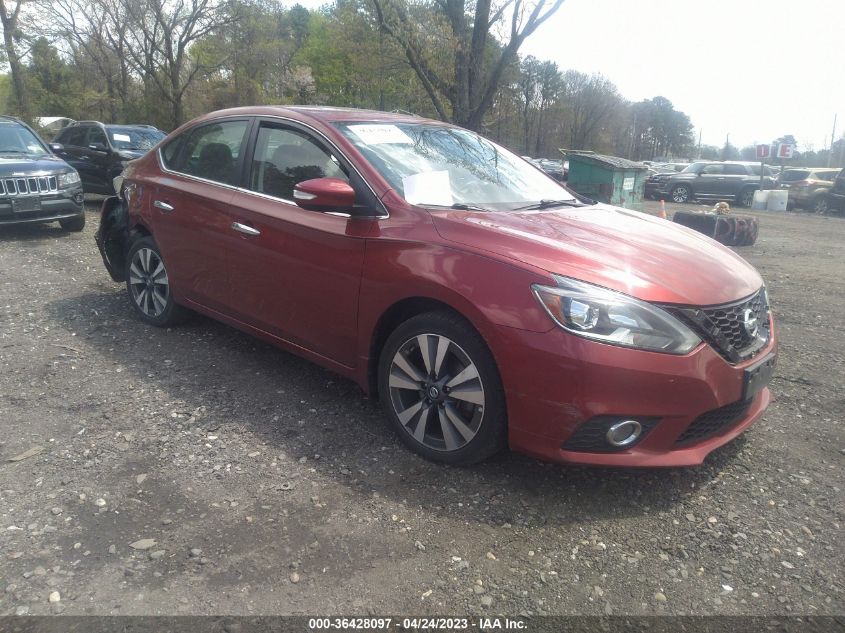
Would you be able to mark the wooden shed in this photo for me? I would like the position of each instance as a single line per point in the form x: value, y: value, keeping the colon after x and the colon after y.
x: 609, y: 179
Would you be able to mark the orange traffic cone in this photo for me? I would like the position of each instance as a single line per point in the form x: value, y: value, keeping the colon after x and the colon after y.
x: 662, y: 213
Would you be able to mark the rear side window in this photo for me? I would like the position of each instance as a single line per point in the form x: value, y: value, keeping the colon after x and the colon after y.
x: 794, y: 175
x: 212, y: 151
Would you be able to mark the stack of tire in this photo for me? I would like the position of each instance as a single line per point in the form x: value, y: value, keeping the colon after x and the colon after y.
x: 730, y: 230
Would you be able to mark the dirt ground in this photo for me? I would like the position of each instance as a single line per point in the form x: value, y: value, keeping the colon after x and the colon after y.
x: 196, y: 470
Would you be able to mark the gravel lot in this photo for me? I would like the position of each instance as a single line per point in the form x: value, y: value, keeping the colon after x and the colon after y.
x: 196, y: 470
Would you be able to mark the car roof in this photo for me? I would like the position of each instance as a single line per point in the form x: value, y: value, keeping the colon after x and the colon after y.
x: 323, y: 114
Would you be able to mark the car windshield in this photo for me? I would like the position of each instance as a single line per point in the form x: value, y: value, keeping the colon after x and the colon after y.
x: 133, y: 138
x: 438, y: 165
x: 16, y: 139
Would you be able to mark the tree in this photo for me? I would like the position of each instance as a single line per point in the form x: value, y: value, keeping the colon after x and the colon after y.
x: 462, y: 69
x: 159, y: 37
x: 10, y: 14
x: 589, y: 101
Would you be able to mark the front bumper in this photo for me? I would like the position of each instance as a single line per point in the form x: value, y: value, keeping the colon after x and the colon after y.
x: 555, y: 382
x: 66, y: 203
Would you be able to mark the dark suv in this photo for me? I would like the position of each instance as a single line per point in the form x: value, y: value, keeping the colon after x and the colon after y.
x: 35, y: 185
x: 99, y: 152
x: 834, y: 199
x: 705, y: 180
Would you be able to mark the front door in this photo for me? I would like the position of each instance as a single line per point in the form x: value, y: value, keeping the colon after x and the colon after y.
x: 297, y: 273
x: 189, y: 205
x: 710, y: 181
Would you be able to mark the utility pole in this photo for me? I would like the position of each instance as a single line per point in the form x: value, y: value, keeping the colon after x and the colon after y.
x: 832, y: 138
x: 699, y: 143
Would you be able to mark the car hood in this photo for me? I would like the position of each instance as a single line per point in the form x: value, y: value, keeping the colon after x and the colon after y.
x: 20, y: 166
x: 631, y: 252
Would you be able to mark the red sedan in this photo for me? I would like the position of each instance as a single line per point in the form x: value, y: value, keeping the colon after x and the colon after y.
x: 482, y: 302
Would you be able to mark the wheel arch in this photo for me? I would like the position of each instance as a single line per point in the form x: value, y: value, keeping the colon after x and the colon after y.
x: 396, y: 314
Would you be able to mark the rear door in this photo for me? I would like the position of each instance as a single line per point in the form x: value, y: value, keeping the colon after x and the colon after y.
x: 296, y: 272
x: 189, y: 203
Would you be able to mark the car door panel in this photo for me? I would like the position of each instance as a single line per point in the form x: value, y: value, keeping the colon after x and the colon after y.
x: 299, y: 276
x: 190, y: 212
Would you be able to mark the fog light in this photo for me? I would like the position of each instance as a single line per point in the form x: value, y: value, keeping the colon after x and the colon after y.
x: 79, y: 198
x: 624, y: 433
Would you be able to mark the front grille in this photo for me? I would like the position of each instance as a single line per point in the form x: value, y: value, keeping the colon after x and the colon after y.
x: 724, y: 327
x: 711, y: 423
x: 33, y: 185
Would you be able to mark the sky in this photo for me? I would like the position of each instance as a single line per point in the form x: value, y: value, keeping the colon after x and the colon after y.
x: 752, y: 69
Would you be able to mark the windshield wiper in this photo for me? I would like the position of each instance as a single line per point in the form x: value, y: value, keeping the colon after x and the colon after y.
x: 549, y: 204
x: 460, y: 206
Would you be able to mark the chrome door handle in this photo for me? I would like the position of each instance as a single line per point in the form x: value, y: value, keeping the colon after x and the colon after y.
x: 246, y: 230
x: 158, y: 204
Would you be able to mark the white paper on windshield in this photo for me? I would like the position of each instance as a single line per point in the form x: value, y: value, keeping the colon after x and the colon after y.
x: 121, y: 137
x: 380, y: 134
x: 430, y: 187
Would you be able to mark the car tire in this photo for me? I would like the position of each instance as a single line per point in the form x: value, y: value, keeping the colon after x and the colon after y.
x: 423, y: 366
x: 746, y: 198
x: 74, y: 224
x: 148, y: 285
x: 821, y: 205
x: 681, y: 193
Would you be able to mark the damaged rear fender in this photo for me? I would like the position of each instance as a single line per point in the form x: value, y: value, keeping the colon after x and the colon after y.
x: 113, y: 236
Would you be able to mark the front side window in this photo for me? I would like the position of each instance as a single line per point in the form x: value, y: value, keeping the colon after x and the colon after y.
x: 286, y: 156
x: 213, y: 151
x: 17, y: 139
x: 438, y: 165
x: 712, y: 170
x: 97, y: 137
x: 738, y: 170
x: 73, y: 136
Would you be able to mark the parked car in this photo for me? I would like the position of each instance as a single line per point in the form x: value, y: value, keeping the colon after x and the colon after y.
x: 710, y: 180
x: 834, y: 198
x: 807, y: 186
x: 35, y: 185
x: 481, y: 301
x: 100, y: 152
x: 553, y: 167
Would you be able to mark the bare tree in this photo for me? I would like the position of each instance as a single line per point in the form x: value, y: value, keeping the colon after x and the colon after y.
x: 10, y: 13
x: 468, y: 82
x: 159, y: 37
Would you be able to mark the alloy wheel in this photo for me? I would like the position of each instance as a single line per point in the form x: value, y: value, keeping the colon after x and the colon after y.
x: 680, y: 194
x: 148, y: 282
x: 746, y: 199
x: 821, y: 205
x: 436, y: 392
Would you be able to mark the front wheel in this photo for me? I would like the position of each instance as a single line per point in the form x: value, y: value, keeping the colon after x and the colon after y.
x: 148, y: 285
x: 440, y: 388
x: 681, y: 194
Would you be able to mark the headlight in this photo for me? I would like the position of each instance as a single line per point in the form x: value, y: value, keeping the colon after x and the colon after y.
x: 68, y: 178
x: 612, y: 317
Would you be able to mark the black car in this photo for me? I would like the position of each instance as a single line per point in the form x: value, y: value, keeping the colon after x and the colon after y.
x: 35, y: 185
x: 709, y: 180
x: 834, y: 199
x: 99, y: 152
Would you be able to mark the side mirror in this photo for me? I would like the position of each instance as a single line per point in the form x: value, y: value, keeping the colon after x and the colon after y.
x: 98, y: 147
x: 56, y: 148
x: 325, y: 194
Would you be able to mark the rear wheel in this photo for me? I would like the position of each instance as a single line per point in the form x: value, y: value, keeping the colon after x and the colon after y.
x: 74, y: 224
x: 821, y: 205
x: 148, y: 285
x: 746, y: 198
x: 440, y: 388
x: 681, y: 193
